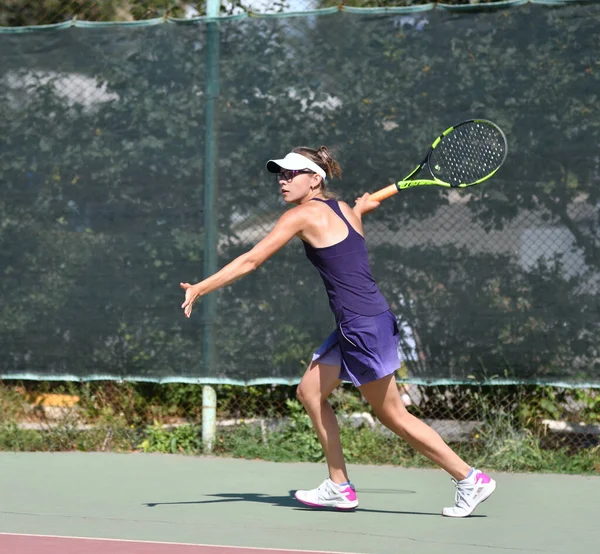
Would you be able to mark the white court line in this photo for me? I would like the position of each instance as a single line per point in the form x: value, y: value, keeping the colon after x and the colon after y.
x: 175, y: 543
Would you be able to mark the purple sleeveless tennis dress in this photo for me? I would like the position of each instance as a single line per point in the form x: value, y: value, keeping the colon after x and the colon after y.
x: 365, y: 342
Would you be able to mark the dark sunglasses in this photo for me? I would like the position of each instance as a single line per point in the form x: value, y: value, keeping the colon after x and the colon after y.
x: 289, y: 174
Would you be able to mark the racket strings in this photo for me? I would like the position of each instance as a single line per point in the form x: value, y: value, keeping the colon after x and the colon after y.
x: 468, y: 153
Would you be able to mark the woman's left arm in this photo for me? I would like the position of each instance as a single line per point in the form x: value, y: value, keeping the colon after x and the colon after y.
x: 286, y: 228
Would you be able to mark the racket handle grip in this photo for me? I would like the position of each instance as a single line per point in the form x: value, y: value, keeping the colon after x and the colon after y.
x: 384, y: 193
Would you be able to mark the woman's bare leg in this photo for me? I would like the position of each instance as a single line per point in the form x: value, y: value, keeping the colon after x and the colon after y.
x: 313, y: 391
x: 384, y: 397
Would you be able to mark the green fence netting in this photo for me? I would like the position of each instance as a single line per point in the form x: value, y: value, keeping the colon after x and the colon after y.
x: 103, y: 206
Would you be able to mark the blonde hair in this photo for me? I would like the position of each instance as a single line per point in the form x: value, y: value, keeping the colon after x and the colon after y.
x: 323, y: 158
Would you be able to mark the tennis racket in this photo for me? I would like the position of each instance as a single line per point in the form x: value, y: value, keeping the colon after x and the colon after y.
x: 463, y: 155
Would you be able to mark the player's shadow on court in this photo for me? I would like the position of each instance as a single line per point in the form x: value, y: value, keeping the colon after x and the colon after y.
x: 290, y: 502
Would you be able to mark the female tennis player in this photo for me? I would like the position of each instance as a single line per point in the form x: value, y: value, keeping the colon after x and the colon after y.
x: 363, y: 349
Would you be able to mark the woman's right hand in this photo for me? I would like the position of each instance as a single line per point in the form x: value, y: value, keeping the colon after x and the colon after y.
x: 364, y: 205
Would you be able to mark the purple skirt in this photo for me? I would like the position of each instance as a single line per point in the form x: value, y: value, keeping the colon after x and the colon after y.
x: 365, y: 347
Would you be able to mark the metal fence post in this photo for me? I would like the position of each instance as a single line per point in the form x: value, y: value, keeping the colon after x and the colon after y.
x: 209, y: 396
x: 209, y: 417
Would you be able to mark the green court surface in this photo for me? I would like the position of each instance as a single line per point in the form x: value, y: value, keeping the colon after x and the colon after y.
x: 219, y: 501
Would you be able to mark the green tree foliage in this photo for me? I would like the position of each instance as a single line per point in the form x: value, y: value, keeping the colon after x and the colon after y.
x: 101, y: 165
x: 43, y: 12
x: 15, y: 13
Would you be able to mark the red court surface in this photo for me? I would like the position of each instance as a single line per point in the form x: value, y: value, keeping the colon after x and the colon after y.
x: 43, y: 544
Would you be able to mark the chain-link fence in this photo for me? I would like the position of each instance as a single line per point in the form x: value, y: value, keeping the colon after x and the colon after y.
x: 102, y: 210
x: 512, y: 428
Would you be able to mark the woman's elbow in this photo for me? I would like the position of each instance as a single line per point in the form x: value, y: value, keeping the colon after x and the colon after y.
x: 251, y: 264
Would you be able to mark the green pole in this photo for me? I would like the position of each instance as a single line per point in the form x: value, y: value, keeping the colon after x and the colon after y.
x: 210, y: 216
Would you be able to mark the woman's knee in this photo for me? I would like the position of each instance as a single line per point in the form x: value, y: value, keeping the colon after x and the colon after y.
x: 317, y: 384
x: 306, y: 393
x: 394, y: 418
x: 300, y: 394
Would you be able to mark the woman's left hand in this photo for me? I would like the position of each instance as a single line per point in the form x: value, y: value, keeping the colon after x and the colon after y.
x: 191, y: 295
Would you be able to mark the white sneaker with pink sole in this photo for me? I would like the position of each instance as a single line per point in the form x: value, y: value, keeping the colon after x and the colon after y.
x: 470, y: 492
x: 329, y: 495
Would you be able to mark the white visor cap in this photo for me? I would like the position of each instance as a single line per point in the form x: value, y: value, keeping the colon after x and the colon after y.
x: 294, y: 161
